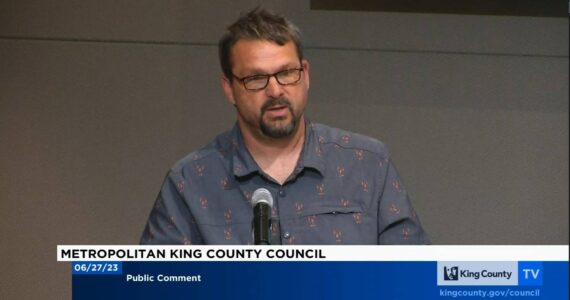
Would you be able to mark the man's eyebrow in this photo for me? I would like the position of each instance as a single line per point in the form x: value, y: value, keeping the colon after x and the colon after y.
x: 253, y: 72
x: 256, y: 71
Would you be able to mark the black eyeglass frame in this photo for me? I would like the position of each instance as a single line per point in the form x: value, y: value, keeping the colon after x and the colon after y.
x: 268, y: 76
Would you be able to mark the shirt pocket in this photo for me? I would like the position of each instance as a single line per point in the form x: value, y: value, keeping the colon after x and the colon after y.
x: 330, y: 209
x: 334, y: 224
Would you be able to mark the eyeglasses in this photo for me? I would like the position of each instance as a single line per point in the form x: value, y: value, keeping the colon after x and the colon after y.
x: 259, y: 82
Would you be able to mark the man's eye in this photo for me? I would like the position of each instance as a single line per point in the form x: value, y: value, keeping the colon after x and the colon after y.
x: 287, y: 73
x: 255, y: 78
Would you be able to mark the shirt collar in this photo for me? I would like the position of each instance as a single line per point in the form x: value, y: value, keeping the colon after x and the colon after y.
x: 311, y: 155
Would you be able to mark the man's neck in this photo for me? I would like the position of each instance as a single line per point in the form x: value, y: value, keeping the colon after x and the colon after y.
x: 276, y: 157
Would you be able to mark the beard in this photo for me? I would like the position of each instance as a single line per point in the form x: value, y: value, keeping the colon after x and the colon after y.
x: 277, y: 131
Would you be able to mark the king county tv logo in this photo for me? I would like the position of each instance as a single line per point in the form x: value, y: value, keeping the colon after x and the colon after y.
x: 489, y: 273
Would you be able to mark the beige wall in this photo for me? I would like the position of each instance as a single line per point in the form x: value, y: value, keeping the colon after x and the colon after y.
x: 99, y: 99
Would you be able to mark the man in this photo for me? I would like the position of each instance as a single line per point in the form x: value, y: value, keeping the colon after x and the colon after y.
x: 329, y: 186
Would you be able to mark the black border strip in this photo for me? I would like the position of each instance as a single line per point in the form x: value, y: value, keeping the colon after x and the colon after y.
x: 533, y: 8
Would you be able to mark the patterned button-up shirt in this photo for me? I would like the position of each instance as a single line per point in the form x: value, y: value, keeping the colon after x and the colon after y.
x: 344, y: 190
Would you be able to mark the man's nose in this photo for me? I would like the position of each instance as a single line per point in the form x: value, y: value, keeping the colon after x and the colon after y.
x: 274, y: 89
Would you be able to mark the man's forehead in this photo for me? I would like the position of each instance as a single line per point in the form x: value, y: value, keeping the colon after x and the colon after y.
x: 262, y: 55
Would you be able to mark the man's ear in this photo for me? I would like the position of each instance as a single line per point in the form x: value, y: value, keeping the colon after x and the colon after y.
x: 228, y: 91
x: 305, y: 64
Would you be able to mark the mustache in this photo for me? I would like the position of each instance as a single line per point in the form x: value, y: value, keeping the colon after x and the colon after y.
x: 275, y: 102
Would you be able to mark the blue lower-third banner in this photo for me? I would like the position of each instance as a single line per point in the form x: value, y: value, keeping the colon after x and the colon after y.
x: 321, y: 280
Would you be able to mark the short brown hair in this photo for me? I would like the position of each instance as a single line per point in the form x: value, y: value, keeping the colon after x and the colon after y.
x: 258, y: 24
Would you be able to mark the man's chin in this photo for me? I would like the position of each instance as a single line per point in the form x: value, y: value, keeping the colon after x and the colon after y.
x: 278, y: 130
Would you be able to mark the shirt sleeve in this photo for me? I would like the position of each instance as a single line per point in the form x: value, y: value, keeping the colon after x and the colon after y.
x: 398, y: 223
x: 171, y: 221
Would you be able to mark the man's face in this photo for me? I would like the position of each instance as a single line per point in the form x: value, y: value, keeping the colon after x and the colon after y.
x: 276, y: 110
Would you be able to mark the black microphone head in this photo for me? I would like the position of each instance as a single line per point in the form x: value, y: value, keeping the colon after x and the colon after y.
x: 261, y: 195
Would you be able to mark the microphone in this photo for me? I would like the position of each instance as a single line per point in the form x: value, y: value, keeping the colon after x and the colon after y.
x: 262, y: 202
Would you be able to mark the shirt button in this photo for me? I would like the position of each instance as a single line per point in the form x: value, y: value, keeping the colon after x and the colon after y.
x: 286, y: 235
x: 282, y: 193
